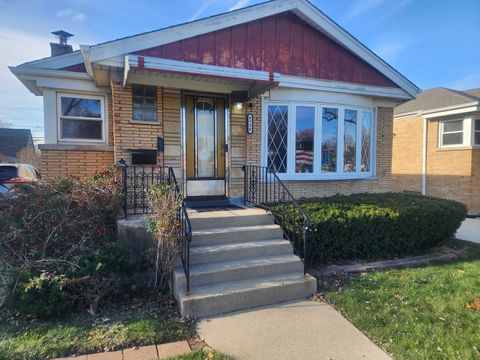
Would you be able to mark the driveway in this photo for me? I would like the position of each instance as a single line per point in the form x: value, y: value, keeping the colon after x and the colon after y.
x: 470, y: 230
x: 306, y: 330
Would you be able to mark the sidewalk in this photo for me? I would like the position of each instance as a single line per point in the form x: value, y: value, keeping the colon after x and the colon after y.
x: 296, y: 330
x: 470, y: 230
x: 141, y: 353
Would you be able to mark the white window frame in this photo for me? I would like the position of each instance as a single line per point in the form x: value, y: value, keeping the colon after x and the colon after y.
x: 474, y: 132
x: 318, y: 174
x: 441, y: 132
x: 102, y: 119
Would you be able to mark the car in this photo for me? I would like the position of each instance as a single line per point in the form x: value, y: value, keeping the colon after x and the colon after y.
x: 14, y: 174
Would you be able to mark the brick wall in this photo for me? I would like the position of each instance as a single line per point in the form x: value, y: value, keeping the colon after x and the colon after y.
x: 321, y: 188
x: 82, y: 164
x: 127, y: 134
x: 451, y: 173
x: 407, y: 154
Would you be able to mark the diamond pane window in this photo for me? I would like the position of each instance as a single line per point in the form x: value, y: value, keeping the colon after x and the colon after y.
x: 277, y: 142
x: 366, y: 140
x: 350, y: 141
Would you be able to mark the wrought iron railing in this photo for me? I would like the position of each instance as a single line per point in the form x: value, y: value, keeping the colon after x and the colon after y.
x: 184, y: 227
x: 135, y: 183
x: 136, y: 180
x: 263, y: 188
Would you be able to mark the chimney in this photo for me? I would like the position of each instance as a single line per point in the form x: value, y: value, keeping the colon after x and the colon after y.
x: 61, y: 47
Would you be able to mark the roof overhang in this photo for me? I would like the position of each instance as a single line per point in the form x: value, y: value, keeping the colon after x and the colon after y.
x: 302, y: 8
x: 445, y: 111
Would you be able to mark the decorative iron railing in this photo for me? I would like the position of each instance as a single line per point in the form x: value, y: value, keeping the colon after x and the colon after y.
x: 135, y: 183
x: 184, y: 227
x: 263, y: 188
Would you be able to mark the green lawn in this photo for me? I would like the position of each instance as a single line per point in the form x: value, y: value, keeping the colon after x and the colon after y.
x: 126, y: 326
x: 202, y: 355
x: 417, y: 313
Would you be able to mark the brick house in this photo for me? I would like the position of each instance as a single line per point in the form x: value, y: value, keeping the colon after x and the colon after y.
x: 436, y: 146
x: 277, y: 84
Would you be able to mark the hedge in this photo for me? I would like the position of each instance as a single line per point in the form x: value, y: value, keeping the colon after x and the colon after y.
x: 379, y: 226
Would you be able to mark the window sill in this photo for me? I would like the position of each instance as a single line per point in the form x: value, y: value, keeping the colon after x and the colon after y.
x: 144, y: 122
x: 76, y: 147
x: 326, y: 178
x: 454, y: 148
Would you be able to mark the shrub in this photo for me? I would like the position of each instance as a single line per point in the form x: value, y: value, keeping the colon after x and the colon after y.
x: 163, y: 226
x: 62, y: 230
x: 379, y: 226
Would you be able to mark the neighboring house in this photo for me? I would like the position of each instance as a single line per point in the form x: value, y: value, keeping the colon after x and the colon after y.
x: 321, y: 103
x: 436, y: 145
x: 12, y: 141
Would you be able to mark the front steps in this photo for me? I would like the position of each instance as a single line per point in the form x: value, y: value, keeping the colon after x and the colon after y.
x: 238, y: 260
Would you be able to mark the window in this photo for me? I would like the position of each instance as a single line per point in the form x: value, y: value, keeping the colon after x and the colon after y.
x: 350, y: 141
x: 451, y: 133
x: 81, y: 118
x: 144, y: 102
x: 477, y: 132
x: 329, y: 139
x: 317, y: 141
x: 304, y: 139
x: 277, y: 140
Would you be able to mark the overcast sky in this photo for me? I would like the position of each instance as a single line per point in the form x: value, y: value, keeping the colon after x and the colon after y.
x: 431, y: 42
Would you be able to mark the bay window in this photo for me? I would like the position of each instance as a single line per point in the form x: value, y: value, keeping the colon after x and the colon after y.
x: 81, y: 118
x: 318, y: 141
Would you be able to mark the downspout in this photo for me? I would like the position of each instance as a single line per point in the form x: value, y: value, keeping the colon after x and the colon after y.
x: 424, y: 160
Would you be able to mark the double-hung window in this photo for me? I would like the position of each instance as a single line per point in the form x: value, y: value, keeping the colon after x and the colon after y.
x: 81, y: 118
x: 318, y: 141
x: 451, y: 133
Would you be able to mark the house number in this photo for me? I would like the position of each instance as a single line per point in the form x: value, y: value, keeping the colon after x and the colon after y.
x: 250, y: 123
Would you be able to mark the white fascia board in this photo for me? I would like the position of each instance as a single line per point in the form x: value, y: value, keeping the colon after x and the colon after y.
x: 154, y: 63
x: 55, y: 62
x: 85, y: 50
x: 328, y: 26
x: 34, y: 73
x: 466, y: 108
x: 337, y: 86
x: 184, y: 31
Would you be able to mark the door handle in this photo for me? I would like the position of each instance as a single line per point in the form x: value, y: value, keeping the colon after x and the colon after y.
x: 225, y: 147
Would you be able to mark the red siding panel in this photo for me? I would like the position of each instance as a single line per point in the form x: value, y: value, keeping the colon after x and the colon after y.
x: 254, y: 48
x: 269, y: 50
x: 282, y: 43
x: 239, y: 46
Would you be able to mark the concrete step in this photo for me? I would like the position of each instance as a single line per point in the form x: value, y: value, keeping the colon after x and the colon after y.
x: 205, y: 274
x: 238, y: 251
x: 230, y: 218
x: 237, y: 295
x: 236, y: 234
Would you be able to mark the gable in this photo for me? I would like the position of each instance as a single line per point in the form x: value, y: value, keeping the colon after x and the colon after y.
x: 281, y: 43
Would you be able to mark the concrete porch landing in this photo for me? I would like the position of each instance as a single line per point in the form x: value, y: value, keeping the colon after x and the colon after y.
x: 304, y: 330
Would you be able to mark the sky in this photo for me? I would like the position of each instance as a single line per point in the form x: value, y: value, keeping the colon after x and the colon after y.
x: 431, y: 42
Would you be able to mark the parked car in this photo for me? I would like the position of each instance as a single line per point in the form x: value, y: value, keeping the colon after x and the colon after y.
x: 14, y: 174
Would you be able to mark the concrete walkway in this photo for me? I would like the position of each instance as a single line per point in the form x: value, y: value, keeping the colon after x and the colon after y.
x: 296, y: 330
x: 470, y: 230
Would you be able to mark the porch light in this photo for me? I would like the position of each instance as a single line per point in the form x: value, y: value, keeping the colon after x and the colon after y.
x: 238, y: 105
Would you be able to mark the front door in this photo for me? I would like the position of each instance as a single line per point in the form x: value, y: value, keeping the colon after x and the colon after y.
x: 205, y: 119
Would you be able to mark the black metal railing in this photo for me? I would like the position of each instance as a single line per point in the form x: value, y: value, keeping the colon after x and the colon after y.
x: 184, y: 227
x: 263, y: 188
x: 136, y: 180
x: 135, y: 183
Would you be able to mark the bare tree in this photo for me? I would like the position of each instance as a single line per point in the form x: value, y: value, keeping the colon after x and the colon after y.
x: 29, y: 155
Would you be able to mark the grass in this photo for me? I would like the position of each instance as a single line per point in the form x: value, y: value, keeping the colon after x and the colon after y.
x: 127, y: 326
x: 418, y: 313
x: 202, y: 355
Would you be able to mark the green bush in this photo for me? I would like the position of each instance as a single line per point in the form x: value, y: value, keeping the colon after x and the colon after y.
x: 379, y: 226
x: 61, y: 238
